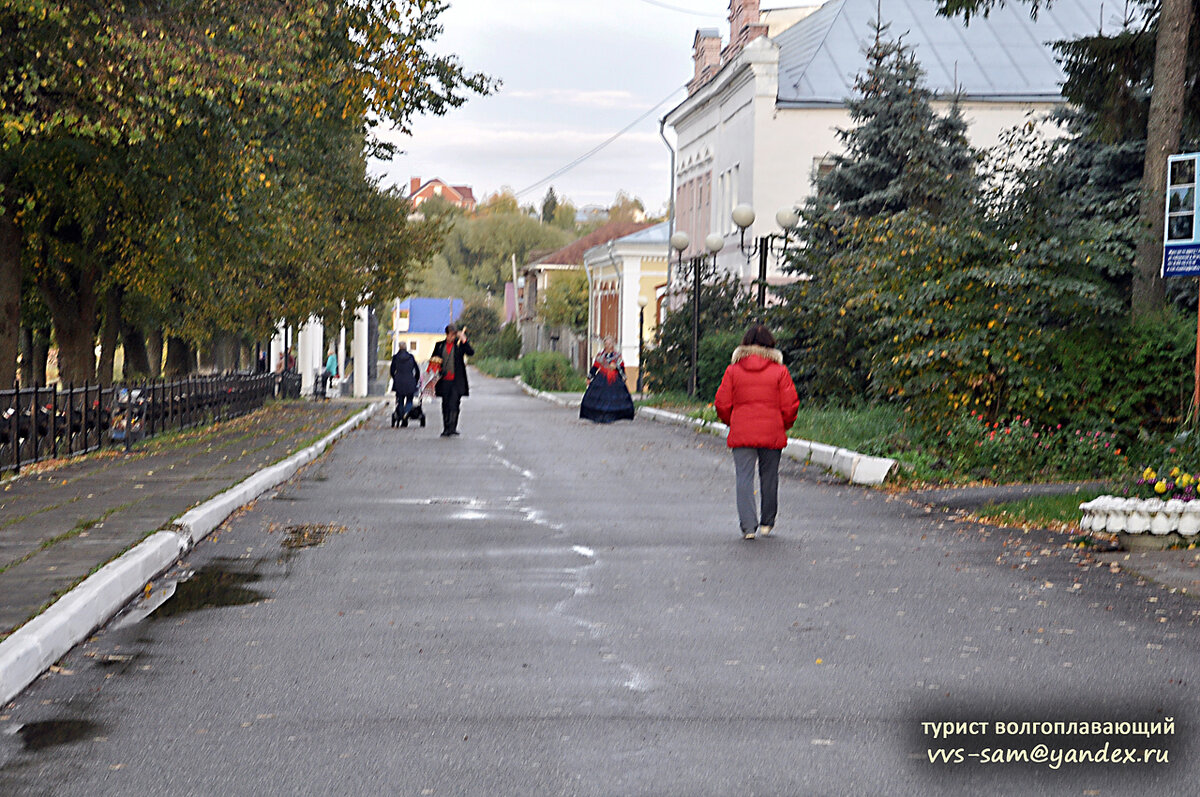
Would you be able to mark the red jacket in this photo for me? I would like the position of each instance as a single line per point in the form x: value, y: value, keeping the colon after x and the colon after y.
x: 757, y: 399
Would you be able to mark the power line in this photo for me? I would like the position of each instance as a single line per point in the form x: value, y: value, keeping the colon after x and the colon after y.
x: 563, y: 170
x: 682, y: 10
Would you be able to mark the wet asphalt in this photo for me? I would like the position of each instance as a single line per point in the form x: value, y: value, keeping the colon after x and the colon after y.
x: 546, y: 607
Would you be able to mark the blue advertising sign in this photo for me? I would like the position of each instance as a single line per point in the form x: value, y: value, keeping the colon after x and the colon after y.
x: 1181, y: 234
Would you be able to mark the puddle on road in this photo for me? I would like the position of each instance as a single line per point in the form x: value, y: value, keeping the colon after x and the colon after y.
x: 51, y: 733
x: 308, y: 535
x: 214, y: 585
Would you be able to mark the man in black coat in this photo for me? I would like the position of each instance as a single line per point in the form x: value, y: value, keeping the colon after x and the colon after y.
x: 453, y: 384
x: 406, y: 381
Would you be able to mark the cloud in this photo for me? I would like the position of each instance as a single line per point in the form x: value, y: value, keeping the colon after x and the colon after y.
x: 587, y: 99
x: 530, y: 141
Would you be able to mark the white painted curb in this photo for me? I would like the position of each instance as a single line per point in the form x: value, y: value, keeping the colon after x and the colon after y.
x: 858, y: 468
x: 49, y: 636
x: 544, y: 396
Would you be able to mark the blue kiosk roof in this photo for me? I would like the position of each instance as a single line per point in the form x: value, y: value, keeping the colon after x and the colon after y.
x: 431, y: 315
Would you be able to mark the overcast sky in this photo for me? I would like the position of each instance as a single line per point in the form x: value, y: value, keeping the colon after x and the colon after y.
x: 574, y: 73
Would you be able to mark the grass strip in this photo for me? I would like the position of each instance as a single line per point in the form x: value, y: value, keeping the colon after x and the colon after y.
x: 1056, y: 512
x: 84, y: 525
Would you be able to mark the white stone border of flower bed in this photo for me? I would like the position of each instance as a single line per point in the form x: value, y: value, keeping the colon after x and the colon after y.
x: 1114, y: 514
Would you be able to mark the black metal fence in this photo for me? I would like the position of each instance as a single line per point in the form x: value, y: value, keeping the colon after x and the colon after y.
x: 49, y: 422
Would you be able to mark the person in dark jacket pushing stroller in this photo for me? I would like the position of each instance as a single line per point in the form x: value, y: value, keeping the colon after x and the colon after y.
x: 406, y: 381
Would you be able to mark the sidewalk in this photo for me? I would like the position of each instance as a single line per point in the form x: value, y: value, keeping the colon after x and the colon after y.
x: 60, y: 523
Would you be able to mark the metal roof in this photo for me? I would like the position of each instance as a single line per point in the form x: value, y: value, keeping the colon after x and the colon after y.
x: 1002, y: 57
x: 651, y: 235
x: 431, y: 315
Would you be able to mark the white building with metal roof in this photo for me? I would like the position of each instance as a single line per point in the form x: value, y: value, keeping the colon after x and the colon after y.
x: 763, y: 111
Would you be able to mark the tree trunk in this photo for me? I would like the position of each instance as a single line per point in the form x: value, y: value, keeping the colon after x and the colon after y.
x: 1162, y: 139
x: 137, y: 358
x: 226, y: 351
x: 109, y: 335
x: 26, y: 350
x: 154, y: 348
x: 10, y: 297
x: 181, y: 359
x: 41, y: 356
x: 74, y: 310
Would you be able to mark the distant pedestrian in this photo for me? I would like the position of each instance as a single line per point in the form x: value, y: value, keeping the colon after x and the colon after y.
x: 331, y: 364
x: 607, y: 396
x: 452, y: 387
x: 406, y: 381
x: 331, y: 370
x: 758, y: 401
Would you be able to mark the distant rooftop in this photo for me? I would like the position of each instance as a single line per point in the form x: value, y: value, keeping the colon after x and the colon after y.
x: 651, y: 235
x: 572, y: 254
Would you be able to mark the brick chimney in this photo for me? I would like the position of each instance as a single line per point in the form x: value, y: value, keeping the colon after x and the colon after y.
x: 706, y: 56
x: 745, y: 25
x: 414, y: 185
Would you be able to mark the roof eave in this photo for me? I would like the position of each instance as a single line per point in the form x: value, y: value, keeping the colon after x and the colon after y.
x: 818, y: 103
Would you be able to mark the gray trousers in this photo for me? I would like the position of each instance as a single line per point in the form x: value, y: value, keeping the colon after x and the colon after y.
x: 744, y: 460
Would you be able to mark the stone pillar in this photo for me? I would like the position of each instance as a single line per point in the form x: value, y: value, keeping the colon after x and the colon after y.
x: 373, y: 350
x: 275, y: 353
x: 360, y: 353
x: 304, y: 360
x: 341, y: 353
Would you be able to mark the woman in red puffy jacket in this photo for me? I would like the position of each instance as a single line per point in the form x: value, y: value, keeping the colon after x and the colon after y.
x: 758, y: 401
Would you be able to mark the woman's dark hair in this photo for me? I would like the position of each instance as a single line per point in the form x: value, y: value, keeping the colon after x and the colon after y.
x: 759, y: 335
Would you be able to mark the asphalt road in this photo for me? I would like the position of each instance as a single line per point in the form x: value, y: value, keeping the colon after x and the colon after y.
x: 545, y: 607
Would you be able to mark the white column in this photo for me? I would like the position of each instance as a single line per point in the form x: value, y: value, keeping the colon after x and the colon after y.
x: 360, y: 353
x: 317, y: 330
x: 276, y: 349
x: 631, y: 287
x: 304, y: 356
x: 341, y: 353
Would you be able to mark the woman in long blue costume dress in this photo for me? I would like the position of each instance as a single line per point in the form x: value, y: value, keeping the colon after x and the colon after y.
x: 607, y: 398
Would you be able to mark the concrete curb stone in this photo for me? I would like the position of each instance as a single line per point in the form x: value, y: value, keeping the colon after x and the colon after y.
x: 43, y: 640
x: 857, y: 468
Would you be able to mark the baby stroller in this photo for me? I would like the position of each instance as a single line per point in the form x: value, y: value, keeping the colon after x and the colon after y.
x: 429, y: 377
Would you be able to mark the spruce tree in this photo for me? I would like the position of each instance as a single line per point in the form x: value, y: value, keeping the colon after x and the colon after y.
x: 900, y: 156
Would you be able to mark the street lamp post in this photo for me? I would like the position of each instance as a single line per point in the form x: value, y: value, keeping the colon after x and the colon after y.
x: 771, y: 244
x: 642, y: 302
x: 712, y: 244
x: 679, y: 242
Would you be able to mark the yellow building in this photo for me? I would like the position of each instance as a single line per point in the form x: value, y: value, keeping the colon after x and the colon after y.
x: 419, y: 323
x: 628, y: 280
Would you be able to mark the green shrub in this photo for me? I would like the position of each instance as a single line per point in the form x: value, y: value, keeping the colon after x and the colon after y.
x: 506, y: 345
x: 550, y: 370
x: 1138, y: 379
x: 713, y: 357
x: 724, y: 306
x: 481, y: 321
x: 500, y: 367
